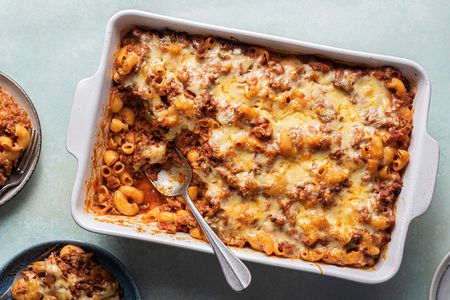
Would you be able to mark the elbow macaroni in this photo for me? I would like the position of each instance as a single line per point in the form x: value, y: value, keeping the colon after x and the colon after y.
x: 23, y: 136
x: 123, y: 206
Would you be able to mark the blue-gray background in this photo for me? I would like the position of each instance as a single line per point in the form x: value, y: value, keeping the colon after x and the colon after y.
x: 48, y: 46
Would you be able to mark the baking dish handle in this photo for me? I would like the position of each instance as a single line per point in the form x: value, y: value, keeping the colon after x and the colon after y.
x: 426, y: 177
x: 78, y: 130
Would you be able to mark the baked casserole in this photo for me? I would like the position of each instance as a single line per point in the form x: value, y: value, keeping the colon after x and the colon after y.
x: 294, y: 156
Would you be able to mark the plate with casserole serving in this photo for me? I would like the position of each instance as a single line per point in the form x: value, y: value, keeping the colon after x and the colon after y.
x: 20, y: 137
x: 299, y: 161
x: 67, y: 270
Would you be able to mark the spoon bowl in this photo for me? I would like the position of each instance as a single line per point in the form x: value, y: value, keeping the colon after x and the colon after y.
x: 173, y: 181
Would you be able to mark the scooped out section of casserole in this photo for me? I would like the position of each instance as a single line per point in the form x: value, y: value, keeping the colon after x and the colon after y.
x: 294, y: 156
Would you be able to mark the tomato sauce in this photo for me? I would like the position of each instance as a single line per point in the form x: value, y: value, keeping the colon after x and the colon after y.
x: 151, y: 196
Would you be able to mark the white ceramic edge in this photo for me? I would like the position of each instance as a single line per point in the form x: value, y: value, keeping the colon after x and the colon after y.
x: 421, y: 185
x: 438, y: 274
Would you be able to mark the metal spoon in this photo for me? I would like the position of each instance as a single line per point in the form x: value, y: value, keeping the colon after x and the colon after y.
x: 175, y: 182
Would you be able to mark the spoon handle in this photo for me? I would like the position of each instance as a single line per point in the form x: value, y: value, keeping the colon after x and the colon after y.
x: 236, y: 273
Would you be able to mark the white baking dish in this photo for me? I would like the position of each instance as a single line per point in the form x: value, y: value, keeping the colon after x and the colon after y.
x: 92, y: 93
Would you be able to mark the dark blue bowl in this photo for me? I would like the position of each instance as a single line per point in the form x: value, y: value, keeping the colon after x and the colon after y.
x: 101, y: 256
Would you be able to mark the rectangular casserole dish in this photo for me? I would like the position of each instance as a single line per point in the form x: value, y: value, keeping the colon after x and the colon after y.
x: 92, y: 95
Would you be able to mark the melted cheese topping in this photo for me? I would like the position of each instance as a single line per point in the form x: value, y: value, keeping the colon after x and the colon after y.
x: 45, y: 280
x: 280, y: 141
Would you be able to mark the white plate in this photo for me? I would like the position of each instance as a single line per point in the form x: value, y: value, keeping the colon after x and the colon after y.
x: 92, y: 94
x: 24, y: 101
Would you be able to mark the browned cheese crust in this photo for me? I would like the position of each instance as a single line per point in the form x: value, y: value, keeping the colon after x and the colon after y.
x: 294, y: 156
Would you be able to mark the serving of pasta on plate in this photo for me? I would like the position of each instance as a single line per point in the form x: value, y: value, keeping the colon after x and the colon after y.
x: 15, y: 128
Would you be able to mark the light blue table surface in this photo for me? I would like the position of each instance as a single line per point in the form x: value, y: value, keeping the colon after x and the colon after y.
x: 48, y: 46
